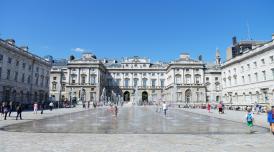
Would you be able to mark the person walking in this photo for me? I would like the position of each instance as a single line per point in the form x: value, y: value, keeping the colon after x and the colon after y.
x: 2, y: 108
x: 208, y: 107
x: 42, y: 107
x: 164, y: 107
x: 10, y: 108
x: 35, y: 107
x: 220, y: 107
x: 6, y: 110
x: 51, y: 106
x: 19, y: 111
x: 250, y: 119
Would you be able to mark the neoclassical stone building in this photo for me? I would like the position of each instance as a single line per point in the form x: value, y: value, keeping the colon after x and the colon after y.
x: 89, y: 79
x: 248, y: 73
x: 24, y: 77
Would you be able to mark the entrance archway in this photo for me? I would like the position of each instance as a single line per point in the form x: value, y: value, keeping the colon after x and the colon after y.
x: 188, y: 95
x: 126, y: 96
x: 144, y: 96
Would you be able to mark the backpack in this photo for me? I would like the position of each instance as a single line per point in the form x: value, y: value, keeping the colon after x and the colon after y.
x: 249, y: 117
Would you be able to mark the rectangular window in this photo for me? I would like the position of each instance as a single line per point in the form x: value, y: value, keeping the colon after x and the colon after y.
x: 24, y: 65
x: 92, y: 80
x: 242, y: 67
x: 135, y: 82
x: 17, y: 63
x: 23, y: 77
x: 144, y: 82
x: 8, y: 74
x: 249, y: 78
x: 248, y: 66
x: 63, y: 87
x: 216, y: 79
x: 63, y: 78
x: 162, y: 83
x: 126, y: 82
x: 153, y: 83
x: 0, y: 72
x: 264, y: 75
x: 83, y: 79
x: 53, y: 86
x: 29, y: 67
x: 207, y: 79
x: 243, y: 79
x: 29, y: 79
x: 1, y: 58
x: 54, y: 78
x: 16, y: 76
x: 118, y: 82
x: 255, y: 64
x: 256, y: 77
x: 9, y: 60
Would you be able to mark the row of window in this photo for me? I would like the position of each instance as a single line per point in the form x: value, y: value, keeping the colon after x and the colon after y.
x: 254, y: 65
x: 117, y: 82
x: 249, y: 78
x: 135, y: 74
x: 17, y: 63
x: 23, y: 79
x: 178, y: 79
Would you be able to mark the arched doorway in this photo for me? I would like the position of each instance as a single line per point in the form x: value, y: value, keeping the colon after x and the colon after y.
x: 188, y: 95
x: 144, y: 96
x: 126, y: 96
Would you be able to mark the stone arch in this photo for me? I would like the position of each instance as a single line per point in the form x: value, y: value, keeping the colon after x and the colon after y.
x: 144, y: 96
x: 126, y: 96
x: 188, y: 95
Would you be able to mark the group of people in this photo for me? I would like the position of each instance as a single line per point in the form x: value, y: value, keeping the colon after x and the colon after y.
x: 8, y: 107
x: 42, y: 107
x: 161, y: 107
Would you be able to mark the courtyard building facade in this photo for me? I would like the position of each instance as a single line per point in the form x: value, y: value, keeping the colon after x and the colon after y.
x: 248, y: 73
x: 133, y: 79
x: 24, y: 77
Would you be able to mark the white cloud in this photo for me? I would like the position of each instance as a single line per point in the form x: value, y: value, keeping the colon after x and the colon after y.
x: 79, y: 50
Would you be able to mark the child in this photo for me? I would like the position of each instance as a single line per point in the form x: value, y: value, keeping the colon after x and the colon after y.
x: 249, y: 119
x: 270, y: 118
x: 116, y: 111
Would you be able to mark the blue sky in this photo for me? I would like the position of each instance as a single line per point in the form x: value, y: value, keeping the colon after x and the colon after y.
x: 158, y: 29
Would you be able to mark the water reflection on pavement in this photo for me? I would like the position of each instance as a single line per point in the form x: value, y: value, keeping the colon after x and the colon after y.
x: 133, y: 120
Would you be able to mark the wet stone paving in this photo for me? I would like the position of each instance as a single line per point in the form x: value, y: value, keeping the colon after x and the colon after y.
x: 133, y: 120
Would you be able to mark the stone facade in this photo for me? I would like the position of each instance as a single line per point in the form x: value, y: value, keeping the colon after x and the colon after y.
x: 89, y: 79
x: 24, y: 77
x: 248, y: 77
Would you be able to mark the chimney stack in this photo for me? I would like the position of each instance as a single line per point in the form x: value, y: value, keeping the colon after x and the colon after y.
x: 10, y: 41
x: 273, y: 36
x: 234, y: 40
